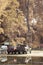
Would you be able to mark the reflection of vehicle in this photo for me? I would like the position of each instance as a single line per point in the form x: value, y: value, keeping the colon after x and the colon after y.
x: 22, y: 60
x: 3, y: 59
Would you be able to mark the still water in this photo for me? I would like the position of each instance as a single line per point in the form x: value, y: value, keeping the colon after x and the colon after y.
x: 23, y: 61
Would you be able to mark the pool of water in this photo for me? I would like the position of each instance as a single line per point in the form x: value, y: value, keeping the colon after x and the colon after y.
x: 23, y: 61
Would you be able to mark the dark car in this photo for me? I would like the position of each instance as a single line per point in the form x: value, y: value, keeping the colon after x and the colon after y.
x: 10, y: 49
x: 21, y: 49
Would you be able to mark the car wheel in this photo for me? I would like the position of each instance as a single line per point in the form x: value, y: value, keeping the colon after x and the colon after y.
x: 8, y: 52
x: 16, y: 52
x: 25, y: 52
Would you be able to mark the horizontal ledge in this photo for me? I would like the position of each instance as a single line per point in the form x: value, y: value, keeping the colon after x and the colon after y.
x: 22, y: 55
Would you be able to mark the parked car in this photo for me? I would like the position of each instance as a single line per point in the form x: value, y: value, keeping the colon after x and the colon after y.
x: 3, y: 49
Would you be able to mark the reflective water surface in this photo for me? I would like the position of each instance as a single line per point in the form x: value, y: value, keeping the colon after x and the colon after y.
x: 22, y: 60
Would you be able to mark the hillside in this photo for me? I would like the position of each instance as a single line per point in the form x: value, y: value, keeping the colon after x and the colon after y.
x: 13, y: 25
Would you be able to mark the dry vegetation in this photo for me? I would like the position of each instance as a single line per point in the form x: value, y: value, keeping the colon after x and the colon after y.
x: 12, y: 21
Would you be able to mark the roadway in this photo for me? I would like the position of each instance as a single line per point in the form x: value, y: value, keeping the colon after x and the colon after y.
x: 34, y: 53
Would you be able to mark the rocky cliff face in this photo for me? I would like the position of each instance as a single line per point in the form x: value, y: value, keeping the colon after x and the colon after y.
x: 13, y: 24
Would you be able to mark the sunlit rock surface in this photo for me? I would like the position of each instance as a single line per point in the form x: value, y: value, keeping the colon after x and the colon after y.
x: 12, y: 20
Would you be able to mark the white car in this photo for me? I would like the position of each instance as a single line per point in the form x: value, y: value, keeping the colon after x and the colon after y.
x: 28, y: 49
x: 4, y: 47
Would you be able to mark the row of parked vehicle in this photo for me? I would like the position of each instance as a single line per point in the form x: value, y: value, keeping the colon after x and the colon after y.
x: 19, y: 49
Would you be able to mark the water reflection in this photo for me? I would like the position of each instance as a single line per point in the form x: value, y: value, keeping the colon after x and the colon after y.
x: 22, y: 60
x: 15, y: 60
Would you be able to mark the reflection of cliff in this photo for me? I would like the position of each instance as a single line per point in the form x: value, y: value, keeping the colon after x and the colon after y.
x: 12, y: 20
